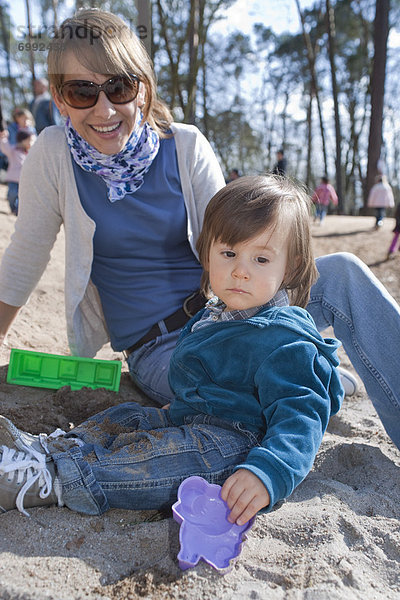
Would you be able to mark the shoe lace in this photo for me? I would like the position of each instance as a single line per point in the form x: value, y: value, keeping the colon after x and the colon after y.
x: 31, y: 465
x: 43, y: 437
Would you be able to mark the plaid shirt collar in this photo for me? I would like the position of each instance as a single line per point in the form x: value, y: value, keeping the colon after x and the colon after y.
x: 216, y: 308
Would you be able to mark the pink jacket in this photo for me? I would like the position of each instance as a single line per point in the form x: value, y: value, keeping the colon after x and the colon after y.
x: 324, y: 193
x: 16, y: 157
x: 381, y: 196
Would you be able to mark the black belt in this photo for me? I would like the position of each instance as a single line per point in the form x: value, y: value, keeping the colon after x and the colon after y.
x: 191, y: 306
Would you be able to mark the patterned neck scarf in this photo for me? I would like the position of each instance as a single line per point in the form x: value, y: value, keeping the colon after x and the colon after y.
x: 123, y: 172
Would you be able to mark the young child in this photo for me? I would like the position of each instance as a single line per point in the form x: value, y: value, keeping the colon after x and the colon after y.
x: 16, y: 156
x: 380, y: 198
x: 22, y: 120
x: 322, y: 197
x: 255, y: 384
x: 396, y: 231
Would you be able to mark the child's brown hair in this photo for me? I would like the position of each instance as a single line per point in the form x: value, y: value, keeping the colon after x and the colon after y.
x: 249, y: 205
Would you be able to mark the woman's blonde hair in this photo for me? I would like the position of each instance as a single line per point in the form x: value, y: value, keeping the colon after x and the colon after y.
x: 249, y: 205
x: 103, y: 43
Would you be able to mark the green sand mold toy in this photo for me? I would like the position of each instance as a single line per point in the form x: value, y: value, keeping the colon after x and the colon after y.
x: 39, y: 369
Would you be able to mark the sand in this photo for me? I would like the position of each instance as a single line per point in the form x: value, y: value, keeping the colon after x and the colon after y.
x: 337, y: 537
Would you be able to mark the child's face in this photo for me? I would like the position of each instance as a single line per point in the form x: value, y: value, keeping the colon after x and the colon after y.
x: 250, y: 273
x: 27, y: 143
x: 22, y: 120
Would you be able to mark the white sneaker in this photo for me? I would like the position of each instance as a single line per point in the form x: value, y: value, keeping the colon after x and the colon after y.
x: 12, y: 437
x: 15, y: 438
x: 26, y: 478
x: 349, y: 382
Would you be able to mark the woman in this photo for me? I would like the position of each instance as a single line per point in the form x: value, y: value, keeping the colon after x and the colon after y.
x: 130, y: 188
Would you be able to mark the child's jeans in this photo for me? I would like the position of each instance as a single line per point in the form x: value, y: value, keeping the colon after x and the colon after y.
x: 380, y: 214
x: 320, y: 212
x: 365, y: 318
x: 12, y: 196
x: 133, y: 457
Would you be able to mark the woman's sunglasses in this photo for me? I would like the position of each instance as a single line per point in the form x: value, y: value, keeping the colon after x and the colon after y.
x: 84, y: 94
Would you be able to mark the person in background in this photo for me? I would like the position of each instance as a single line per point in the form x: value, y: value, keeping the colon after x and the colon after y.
x: 22, y: 119
x: 281, y: 164
x: 43, y: 108
x: 234, y: 174
x: 254, y: 383
x: 16, y: 157
x: 380, y: 198
x: 130, y: 188
x: 324, y: 194
x: 394, y: 243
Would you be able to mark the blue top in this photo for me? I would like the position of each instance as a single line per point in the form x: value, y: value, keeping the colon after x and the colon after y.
x: 274, y: 374
x: 13, y: 130
x: 143, y: 265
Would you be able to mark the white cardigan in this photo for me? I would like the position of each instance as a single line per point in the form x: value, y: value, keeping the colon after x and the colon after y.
x: 49, y: 198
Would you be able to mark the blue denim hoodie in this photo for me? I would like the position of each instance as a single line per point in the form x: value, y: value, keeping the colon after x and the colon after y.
x: 274, y: 374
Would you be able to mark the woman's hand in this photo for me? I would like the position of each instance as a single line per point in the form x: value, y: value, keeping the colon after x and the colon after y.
x: 245, y: 494
x: 4, y: 134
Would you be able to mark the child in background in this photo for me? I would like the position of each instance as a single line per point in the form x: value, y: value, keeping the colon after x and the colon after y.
x: 323, y: 195
x: 16, y: 156
x: 380, y: 198
x: 22, y: 120
x: 396, y: 231
x: 255, y: 383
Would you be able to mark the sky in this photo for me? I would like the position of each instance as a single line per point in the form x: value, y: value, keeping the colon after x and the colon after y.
x: 244, y: 13
x: 240, y: 16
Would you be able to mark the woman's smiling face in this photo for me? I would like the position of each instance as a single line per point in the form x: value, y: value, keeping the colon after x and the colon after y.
x: 106, y: 126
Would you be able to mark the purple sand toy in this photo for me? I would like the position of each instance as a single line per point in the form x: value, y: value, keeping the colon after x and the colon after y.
x: 205, y: 531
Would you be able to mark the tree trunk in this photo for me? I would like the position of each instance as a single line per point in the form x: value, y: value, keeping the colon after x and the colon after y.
x: 309, y: 140
x: 331, y: 37
x: 381, y: 32
x: 284, y: 119
x: 314, y: 84
x: 144, y: 28
x: 31, y: 55
x: 55, y: 13
x: 5, y: 34
x: 174, y: 64
x: 203, y: 64
x: 190, y: 111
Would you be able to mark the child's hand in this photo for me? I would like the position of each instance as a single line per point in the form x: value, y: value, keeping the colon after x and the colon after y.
x: 4, y: 134
x: 245, y: 494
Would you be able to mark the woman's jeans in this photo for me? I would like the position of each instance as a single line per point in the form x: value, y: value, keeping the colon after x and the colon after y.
x: 133, y: 457
x: 364, y: 317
